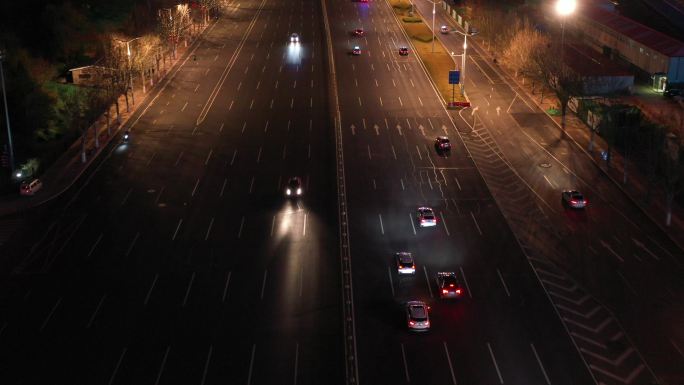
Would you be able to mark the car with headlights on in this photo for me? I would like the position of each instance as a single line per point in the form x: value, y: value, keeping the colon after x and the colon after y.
x: 442, y: 143
x: 359, y: 32
x: 417, y: 317
x: 405, y: 263
x: 356, y: 51
x: 294, y: 187
x: 294, y: 38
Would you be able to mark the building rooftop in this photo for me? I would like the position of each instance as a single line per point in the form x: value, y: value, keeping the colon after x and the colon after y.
x: 638, y: 32
x: 588, y: 62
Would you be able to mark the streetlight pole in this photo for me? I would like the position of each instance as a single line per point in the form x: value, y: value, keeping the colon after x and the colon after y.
x: 564, y: 8
x: 130, y: 65
x: 433, y: 25
x: 463, y: 57
x: 7, y: 119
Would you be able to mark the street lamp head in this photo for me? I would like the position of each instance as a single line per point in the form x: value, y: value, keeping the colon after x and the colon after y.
x: 565, y: 7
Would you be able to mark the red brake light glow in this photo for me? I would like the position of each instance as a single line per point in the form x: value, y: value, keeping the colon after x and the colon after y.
x: 445, y: 291
x: 458, y: 291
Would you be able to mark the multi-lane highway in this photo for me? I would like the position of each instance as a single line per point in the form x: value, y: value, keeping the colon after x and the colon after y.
x: 504, y: 330
x: 179, y: 260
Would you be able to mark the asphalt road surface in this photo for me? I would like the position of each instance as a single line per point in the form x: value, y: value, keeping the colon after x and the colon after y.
x: 179, y: 260
x: 504, y: 330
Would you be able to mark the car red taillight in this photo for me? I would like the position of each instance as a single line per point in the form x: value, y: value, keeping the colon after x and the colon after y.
x: 458, y: 291
x: 445, y: 291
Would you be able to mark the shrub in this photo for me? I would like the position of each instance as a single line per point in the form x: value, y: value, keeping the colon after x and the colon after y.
x: 411, y: 19
x: 424, y: 37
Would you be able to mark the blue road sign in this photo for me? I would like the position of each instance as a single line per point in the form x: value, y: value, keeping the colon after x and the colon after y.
x: 454, y: 77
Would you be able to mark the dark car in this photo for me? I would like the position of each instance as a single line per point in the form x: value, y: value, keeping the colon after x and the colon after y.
x: 448, y: 285
x: 403, y: 51
x: 359, y: 32
x: 442, y: 143
x: 673, y: 92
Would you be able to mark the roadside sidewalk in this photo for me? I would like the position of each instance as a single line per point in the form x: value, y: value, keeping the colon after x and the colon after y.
x: 68, y: 168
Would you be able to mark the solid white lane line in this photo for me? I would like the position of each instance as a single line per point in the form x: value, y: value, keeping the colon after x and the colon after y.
x: 234, y: 154
x: 413, y: 226
x: 402, y: 184
x: 242, y: 223
x: 304, y: 229
x: 273, y: 224
x: 225, y: 288
x: 223, y: 186
x: 296, y: 363
x: 429, y: 182
x: 116, y: 368
x: 369, y: 153
x: 266, y: 126
x: 194, y: 189
x: 263, y: 284
x: 187, y: 291
x: 389, y: 274
x: 206, y: 162
x: 549, y: 182
x: 475, y: 221
x: 163, y: 363
x: 184, y: 105
x: 135, y: 239
x: 206, y: 364
x: 97, y: 309
x: 231, y: 105
x: 418, y: 151
x: 259, y: 155
x: 47, y: 319
x: 465, y: 280
x: 457, y: 182
x: 427, y: 281
x: 149, y: 292
x: 403, y: 356
x: 451, y: 368
x: 180, y: 221
x: 251, y: 366
x: 301, y: 280
x: 97, y: 242
x: 498, y: 372
x: 382, y: 229
x: 503, y: 282
x: 444, y: 223
x: 546, y: 377
x: 251, y: 185
x: 244, y: 125
x: 123, y: 202
x: 394, y: 154
x: 206, y: 237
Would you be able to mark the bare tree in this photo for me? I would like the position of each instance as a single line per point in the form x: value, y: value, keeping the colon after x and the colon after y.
x: 564, y: 82
x: 143, y: 56
x: 520, y: 52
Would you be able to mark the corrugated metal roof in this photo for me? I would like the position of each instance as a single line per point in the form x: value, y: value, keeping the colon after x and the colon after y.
x: 647, y: 36
x: 587, y: 62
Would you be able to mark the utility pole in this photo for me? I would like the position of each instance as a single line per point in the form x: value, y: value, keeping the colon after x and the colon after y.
x: 7, y: 119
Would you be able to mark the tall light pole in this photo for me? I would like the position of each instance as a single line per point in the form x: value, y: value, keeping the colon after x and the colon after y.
x: 130, y: 66
x: 563, y: 9
x: 7, y: 119
x: 472, y: 32
x: 434, y: 11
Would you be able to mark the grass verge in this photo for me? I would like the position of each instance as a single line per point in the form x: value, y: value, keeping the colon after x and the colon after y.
x: 437, y: 63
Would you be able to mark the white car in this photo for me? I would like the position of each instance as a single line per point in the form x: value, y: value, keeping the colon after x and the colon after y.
x: 294, y: 187
x: 444, y: 29
x: 294, y: 38
x: 405, y: 263
x: 426, y: 217
x: 574, y: 199
x: 417, y: 317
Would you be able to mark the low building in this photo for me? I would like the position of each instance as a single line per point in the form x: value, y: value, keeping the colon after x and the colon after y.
x: 649, y: 51
x: 600, y: 74
x: 89, y: 76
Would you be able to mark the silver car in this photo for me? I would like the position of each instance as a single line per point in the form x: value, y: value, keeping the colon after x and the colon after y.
x: 426, y: 217
x: 417, y: 317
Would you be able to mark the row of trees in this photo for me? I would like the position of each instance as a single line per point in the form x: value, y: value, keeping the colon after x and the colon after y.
x: 124, y: 60
x: 536, y: 55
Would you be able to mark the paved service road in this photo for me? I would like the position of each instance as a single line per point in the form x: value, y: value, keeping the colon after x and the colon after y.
x: 504, y: 330
x: 179, y: 260
x: 611, y: 248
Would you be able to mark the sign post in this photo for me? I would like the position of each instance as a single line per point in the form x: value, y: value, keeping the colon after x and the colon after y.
x: 454, y: 78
